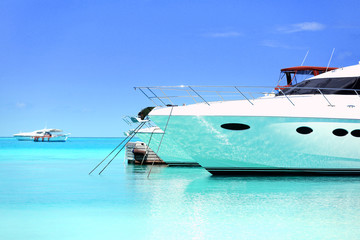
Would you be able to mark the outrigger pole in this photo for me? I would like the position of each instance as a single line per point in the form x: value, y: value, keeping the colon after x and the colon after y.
x: 330, y: 59
x: 305, y: 58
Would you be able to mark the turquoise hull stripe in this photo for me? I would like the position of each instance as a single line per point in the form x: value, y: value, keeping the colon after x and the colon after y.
x: 270, y: 142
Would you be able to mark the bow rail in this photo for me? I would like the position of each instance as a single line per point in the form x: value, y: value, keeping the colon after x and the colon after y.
x: 184, y: 95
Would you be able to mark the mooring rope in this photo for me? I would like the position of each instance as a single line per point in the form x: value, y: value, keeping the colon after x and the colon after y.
x: 161, y: 140
x: 133, y: 133
x: 147, y: 147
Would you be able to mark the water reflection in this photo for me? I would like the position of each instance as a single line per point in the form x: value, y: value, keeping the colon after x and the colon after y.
x: 273, y: 184
x: 191, y: 202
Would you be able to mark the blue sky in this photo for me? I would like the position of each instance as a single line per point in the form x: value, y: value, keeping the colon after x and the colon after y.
x: 73, y: 64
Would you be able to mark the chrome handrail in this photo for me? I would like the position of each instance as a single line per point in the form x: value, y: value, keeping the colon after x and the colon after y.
x: 243, y: 95
x: 286, y: 97
x: 202, y: 94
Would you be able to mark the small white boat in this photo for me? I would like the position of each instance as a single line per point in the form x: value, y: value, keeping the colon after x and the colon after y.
x: 43, y: 135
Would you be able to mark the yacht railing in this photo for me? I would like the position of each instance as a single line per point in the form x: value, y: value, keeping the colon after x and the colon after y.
x: 183, y: 95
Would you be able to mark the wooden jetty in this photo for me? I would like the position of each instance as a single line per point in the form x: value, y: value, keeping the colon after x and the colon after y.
x: 139, y: 154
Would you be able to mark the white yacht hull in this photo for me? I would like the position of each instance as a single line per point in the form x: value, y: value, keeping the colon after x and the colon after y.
x: 23, y: 138
x: 272, y: 143
x: 61, y: 138
x: 166, y: 149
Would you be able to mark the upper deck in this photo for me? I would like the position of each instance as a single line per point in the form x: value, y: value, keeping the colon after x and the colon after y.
x: 344, y: 81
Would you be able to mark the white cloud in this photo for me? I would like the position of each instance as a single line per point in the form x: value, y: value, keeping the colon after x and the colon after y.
x: 278, y: 44
x: 347, y: 27
x: 344, y: 55
x: 20, y: 105
x: 224, y: 34
x: 273, y: 44
x: 300, y: 27
x: 85, y: 110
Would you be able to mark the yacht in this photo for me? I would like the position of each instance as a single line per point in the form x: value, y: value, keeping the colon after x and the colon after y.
x: 43, y: 135
x: 311, y: 126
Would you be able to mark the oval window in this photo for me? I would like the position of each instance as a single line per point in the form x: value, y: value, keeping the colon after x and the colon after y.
x: 340, y: 132
x: 304, y: 130
x: 356, y: 133
x: 235, y: 126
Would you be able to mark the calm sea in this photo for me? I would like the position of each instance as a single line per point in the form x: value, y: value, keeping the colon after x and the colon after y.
x: 46, y: 193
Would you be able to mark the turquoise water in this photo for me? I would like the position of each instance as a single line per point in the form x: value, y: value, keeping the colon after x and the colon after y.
x: 46, y: 193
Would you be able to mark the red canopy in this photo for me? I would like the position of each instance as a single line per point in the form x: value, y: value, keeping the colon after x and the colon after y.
x: 315, y: 70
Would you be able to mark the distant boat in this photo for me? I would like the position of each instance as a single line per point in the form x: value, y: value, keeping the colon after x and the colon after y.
x: 43, y: 135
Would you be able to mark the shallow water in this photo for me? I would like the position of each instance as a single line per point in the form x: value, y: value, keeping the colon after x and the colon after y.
x: 46, y: 193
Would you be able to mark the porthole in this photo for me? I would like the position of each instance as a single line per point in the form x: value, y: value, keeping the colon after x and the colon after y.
x: 356, y: 133
x: 340, y: 132
x: 235, y: 126
x: 304, y: 130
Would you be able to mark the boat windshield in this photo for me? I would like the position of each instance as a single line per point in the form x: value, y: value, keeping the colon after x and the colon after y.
x: 295, y: 75
x: 298, y: 82
x: 343, y: 86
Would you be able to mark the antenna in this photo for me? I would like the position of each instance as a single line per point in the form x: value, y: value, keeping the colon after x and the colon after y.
x: 305, y: 58
x: 330, y: 59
